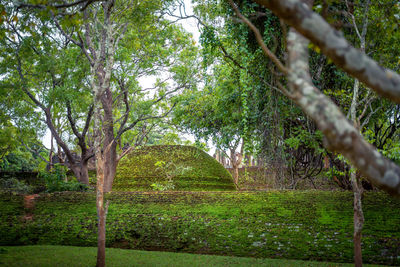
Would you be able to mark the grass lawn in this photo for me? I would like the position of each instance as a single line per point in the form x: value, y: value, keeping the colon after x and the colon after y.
x: 86, y: 256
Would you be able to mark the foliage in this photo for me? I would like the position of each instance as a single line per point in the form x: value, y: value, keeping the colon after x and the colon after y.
x: 55, y: 180
x: 19, y: 159
x: 307, y: 225
x: 163, y: 186
x: 302, y: 137
x: 14, y: 185
x: 170, y: 170
x: 7, y: 137
x: 49, y: 77
x: 43, y: 75
x: 165, y: 166
x: 267, y: 117
x: 216, y: 112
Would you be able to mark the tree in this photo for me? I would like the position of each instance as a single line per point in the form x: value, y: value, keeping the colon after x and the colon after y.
x: 340, y: 134
x: 267, y: 116
x: 216, y: 113
x: 108, y: 33
x: 44, y: 69
x: 148, y: 47
x: 355, y: 180
x: 302, y: 91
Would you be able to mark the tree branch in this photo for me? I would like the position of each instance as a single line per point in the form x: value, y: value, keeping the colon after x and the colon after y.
x: 143, y: 118
x: 340, y: 134
x: 259, y: 39
x: 69, y: 37
x: 63, y: 5
x: 333, y: 44
x: 72, y: 121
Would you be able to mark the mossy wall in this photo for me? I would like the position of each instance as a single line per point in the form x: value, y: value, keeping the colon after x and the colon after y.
x: 137, y: 171
x: 262, y: 178
x: 309, y: 225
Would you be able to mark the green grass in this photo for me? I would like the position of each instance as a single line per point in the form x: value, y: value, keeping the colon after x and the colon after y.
x: 86, y: 256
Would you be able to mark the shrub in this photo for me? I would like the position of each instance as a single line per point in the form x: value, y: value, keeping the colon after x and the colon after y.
x: 13, y: 185
x: 169, y: 170
x: 55, y: 181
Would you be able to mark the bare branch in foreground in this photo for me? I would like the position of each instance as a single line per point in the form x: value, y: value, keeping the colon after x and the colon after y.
x: 340, y: 134
x: 333, y: 44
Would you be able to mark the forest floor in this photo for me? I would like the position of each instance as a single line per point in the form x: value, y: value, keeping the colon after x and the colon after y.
x: 86, y: 256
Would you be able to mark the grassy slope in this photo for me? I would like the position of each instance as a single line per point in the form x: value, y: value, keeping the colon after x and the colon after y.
x: 86, y: 256
x: 137, y: 170
x: 310, y: 225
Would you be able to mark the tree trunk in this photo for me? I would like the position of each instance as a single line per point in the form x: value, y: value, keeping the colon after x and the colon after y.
x: 236, y: 159
x: 235, y: 174
x: 51, y: 152
x: 84, y: 178
x: 358, y: 219
x: 100, y: 167
x: 357, y: 188
x: 109, y: 145
x: 101, y: 212
x: 80, y: 171
x: 59, y: 155
x: 110, y: 169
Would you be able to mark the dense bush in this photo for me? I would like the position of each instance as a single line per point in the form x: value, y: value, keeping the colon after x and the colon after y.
x: 13, y: 185
x: 295, y: 225
x: 19, y: 160
x: 55, y: 180
x: 160, y: 167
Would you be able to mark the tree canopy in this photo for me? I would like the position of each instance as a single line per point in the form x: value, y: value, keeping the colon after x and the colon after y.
x: 256, y: 83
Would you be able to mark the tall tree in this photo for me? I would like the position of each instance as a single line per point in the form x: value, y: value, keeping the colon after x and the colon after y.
x: 340, y: 134
x: 122, y: 41
x: 107, y: 25
x: 148, y: 46
x: 355, y: 180
x: 41, y: 66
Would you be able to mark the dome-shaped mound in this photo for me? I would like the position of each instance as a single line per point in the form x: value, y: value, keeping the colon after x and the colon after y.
x: 179, y: 168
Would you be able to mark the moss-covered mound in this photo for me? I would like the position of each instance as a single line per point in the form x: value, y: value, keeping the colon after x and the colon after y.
x: 176, y: 168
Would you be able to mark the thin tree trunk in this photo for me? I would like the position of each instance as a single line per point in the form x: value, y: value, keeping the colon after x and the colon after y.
x: 236, y: 175
x: 100, y: 164
x: 358, y: 219
x: 236, y: 159
x: 51, y: 152
x: 101, y: 213
x: 357, y: 189
x: 59, y: 155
